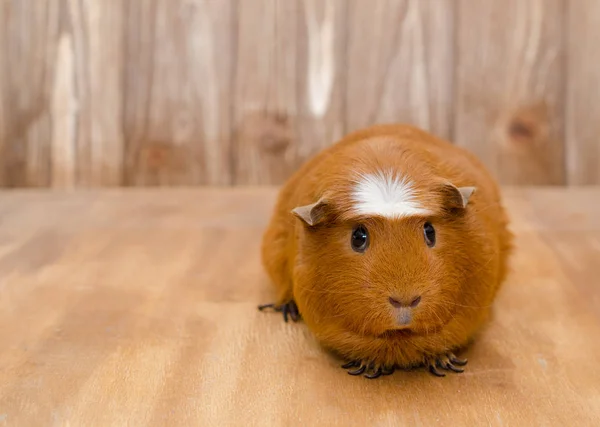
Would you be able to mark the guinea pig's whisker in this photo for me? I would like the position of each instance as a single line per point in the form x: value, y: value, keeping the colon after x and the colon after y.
x: 335, y: 316
x: 438, y: 316
x: 329, y: 292
x: 476, y: 271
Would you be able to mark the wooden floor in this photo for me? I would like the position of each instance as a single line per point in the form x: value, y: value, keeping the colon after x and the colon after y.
x: 138, y: 308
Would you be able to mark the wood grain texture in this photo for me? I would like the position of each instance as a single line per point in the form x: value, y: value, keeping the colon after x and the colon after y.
x: 400, y: 64
x: 289, y: 85
x: 178, y: 72
x: 97, y: 40
x: 266, y: 93
x: 229, y: 92
x: 583, y: 85
x: 510, y: 87
x: 143, y: 312
x: 322, y: 34
x: 61, y: 105
x: 27, y: 72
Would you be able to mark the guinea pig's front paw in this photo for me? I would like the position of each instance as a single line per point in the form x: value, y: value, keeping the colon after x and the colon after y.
x: 370, y: 370
x: 288, y: 309
x: 448, y: 362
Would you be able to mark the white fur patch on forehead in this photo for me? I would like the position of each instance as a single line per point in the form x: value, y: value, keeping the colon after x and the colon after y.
x: 386, y: 194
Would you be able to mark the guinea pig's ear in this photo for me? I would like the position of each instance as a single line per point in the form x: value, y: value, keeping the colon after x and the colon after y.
x: 456, y: 198
x: 311, y: 214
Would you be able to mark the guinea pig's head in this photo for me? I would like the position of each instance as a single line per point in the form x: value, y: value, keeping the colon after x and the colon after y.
x: 383, y: 256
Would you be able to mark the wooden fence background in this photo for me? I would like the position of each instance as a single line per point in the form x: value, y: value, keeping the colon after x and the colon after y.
x: 235, y: 92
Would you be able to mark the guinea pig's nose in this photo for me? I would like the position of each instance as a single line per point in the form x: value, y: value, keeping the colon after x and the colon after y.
x: 397, y: 302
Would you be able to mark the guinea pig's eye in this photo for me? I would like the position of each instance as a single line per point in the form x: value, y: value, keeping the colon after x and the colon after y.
x: 360, y: 239
x: 429, y: 233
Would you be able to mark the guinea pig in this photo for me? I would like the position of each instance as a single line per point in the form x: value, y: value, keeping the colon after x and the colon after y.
x: 390, y: 245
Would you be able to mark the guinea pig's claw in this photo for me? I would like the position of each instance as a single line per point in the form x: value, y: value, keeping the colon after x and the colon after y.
x: 447, y: 363
x: 376, y: 373
x: 457, y: 361
x: 387, y: 371
x: 358, y: 371
x: 370, y: 371
x: 289, y: 309
x: 453, y: 368
x: 434, y: 371
x: 351, y: 364
x: 448, y: 366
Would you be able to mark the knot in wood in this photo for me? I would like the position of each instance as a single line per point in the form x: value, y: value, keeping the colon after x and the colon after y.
x: 272, y: 133
x: 156, y: 156
x: 520, y: 130
x: 528, y: 126
x: 276, y: 134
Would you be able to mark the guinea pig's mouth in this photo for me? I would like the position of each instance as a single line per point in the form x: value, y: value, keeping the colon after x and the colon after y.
x: 398, y: 333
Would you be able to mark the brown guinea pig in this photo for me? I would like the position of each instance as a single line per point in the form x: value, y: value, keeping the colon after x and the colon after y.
x: 391, y: 246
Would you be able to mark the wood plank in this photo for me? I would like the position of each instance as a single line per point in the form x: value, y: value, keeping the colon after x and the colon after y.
x: 266, y: 98
x: 289, y: 93
x: 583, y: 88
x: 97, y: 87
x: 177, y: 92
x: 4, y: 111
x: 321, y: 33
x: 61, y: 93
x: 399, y: 64
x: 63, y: 110
x: 26, y: 91
x: 510, y: 87
x: 143, y: 312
